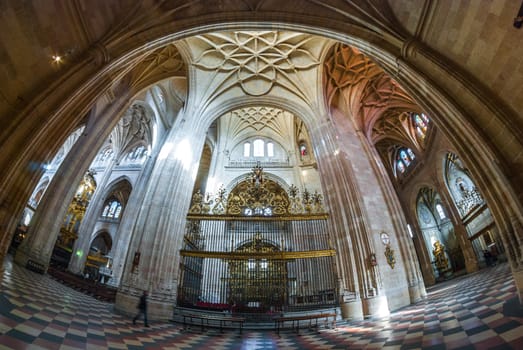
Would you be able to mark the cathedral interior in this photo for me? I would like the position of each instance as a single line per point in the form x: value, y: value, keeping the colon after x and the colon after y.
x: 263, y: 158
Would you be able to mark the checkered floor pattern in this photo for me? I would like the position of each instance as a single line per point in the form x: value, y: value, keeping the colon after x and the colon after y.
x: 469, y: 312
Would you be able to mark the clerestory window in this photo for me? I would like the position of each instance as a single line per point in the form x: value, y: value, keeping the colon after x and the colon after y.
x: 404, y: 159
x: 441, y: 213
x: 112, y: 209
x: 258, y: 150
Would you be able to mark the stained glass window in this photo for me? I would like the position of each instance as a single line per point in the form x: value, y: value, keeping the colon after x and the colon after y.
x: 404, y: 158
x: 112, y: 209
x: 421, y: 122
x: 400, y: 166
x: 137, y: 153
x: 303, y: 149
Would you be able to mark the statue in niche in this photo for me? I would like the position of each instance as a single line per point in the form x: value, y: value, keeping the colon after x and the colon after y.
x: 441, y: 260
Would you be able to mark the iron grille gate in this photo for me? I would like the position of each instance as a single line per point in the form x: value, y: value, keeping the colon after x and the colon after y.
x: 257, y: 265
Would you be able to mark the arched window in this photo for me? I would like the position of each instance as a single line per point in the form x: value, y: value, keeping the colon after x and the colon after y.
x: 137, y: 153
x: 404, y: 158
x: 270, y: 149
x: 258, y: 148
x: 159, y: 94
x: 27, y: 219
x: 112, y: 209
x: 106, y: 154
x: 400, y: 166
x: 440, y: 211
x: 246, y: 149
x: 303, y: 149
x: 421, y: 122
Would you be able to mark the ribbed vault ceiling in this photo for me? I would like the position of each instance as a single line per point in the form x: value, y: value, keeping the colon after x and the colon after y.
x: 231, y: 64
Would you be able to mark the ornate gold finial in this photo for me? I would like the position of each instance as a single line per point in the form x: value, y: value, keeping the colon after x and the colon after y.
x: 220, y: 202
x: 293, y: 191
x: 307, y: 201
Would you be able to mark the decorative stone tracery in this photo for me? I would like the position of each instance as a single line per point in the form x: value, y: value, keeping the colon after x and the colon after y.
x: 256, y: 61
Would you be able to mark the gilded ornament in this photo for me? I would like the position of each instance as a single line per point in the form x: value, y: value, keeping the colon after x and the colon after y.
x: 389, y: 254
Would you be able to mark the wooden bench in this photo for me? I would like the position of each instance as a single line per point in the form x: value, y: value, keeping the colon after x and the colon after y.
x: 220, y: 321
x: 89, y: 287
x: 35, y: 266
x: 295, y: 321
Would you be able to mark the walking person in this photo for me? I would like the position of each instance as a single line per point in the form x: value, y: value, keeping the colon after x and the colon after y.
x: 488, y: 257
x: 142, y: 309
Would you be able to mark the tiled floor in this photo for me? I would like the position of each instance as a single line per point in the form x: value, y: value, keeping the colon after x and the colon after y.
x: 466, y: 313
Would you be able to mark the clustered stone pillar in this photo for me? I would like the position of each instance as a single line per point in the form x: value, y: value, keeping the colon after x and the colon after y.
x: 153, y: 257
x: 133, y: 207
x: 359, y: 286
x: 77, y: 262
x: 416, y: 284
x: 424, y: 255
x: 516, y: 260
x: 47, y: 221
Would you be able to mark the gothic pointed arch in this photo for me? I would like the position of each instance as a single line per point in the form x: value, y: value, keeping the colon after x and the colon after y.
x: 473, y: 210
x: 438, y: 234
x: 401, y: 139
x: 460, y: 185
x: 101, y: 244
x: 116, y: 198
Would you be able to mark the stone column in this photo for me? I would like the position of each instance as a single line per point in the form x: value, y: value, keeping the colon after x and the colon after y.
x: 346, y: 221
x: 77, y: 262
x: 416, y: 284
x: 123, y: 237
x: 424, y: 257
x: 516, y: 260
x: 45, y: 227
x: 153, y: 257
